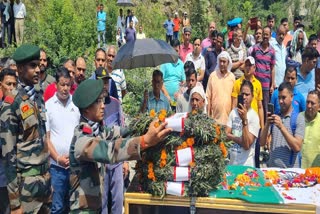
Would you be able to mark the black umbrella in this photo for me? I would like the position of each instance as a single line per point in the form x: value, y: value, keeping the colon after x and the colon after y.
x: 125, y: 3
x: 144, y: 53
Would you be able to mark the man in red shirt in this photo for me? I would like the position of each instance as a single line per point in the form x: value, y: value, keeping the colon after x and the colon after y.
x: 176, y: 27
x: 186, y: 47
x: 52, y: 88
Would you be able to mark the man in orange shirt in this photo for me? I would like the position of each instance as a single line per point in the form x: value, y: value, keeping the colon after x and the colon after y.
x: 176, y: 27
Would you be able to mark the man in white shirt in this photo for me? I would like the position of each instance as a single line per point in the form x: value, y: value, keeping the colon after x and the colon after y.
x: 197, y: 59
x: 117, y: 74
x: 121, y: 21
x: 19, y: 10
x: 134, y: 19
x: 62, y: 117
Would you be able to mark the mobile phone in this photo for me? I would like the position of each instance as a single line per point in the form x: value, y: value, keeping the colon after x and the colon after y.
x: 271, y: 108
x: 240, y: 100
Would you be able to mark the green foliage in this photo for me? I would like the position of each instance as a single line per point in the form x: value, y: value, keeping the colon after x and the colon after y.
x: 64, y: 28
x: 138, y: 80
x: 152, y: 17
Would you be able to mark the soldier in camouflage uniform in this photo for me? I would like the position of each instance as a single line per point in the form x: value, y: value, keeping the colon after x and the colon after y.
x: 93, y: 143
x: 22, y: 137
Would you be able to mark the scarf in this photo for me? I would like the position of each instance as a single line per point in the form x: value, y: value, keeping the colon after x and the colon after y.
x: 30, y: 91
x: 94, y: 126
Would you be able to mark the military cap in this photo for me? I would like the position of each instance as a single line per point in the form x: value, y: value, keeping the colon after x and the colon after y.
x: 102, y: 73
x: 87, y: 93
x: 26, y: 53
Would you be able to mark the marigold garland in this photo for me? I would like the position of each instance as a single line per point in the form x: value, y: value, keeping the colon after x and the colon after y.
x: 202, y: 134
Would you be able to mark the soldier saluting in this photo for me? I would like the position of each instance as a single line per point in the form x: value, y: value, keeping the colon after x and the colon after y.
x: 93, y: 143
x: 22, y: 137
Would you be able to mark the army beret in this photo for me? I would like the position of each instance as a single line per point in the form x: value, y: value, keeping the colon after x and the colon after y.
x: 102, y: 73
x: 26, y: 53
x: 87, y: 93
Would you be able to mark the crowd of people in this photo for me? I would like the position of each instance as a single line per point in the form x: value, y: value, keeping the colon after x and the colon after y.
x: 67, y: 133
x: 12, y: 16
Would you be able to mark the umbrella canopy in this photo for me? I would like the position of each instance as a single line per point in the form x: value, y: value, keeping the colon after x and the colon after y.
x: 144, y: 53
x: 124, y: 3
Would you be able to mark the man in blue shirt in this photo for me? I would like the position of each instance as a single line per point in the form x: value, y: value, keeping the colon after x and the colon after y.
x: 155, y: 99
x: 130, y: 34
x: 281, y: 54
x: 306, y: 72
x: 298, y: 101
x: 168, y: 25
x: 101, y: 25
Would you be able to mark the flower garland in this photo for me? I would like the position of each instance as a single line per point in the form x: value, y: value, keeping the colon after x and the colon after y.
x: 193, y: 158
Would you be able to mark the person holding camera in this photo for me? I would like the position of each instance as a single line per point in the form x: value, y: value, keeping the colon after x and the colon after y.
x: 243, y: 128
x: 286, y: 130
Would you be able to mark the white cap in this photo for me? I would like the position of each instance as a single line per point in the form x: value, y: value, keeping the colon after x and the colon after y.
x: 175, y: 13
x: 251, y: 60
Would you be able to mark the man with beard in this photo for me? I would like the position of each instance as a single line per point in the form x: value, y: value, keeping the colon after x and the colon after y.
x: 310, y: 147
x: 23, y: 138
x: 45, y: 78
x: 81, y: 67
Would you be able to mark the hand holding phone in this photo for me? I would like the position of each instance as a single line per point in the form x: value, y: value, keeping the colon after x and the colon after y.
x: 240, y: 100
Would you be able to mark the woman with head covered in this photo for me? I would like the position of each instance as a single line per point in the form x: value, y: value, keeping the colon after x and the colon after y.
x: 219, y: 89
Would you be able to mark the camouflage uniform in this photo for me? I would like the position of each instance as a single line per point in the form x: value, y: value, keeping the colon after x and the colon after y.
x: 85, y: 151
x: 25, y: 154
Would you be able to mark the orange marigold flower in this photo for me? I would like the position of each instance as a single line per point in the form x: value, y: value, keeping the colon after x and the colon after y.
x: 194, y: 112
x: 163, y: 111
x: 192, y: 164
x: 163, y: 154
x: 190, y: 141
x: 223, y: 149
x: 268, y: 184
x: 184, y: 145
x: 152, y: 113
x: 215, y: 140
x: 162, y: 117
x: 156, y: 124
x: 163, y: 163
x: 218, y: 131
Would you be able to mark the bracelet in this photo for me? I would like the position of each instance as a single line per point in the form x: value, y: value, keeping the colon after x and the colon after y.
x: 142, y: 143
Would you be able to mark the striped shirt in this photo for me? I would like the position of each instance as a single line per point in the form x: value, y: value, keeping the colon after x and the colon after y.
x: 120, y: 80
x: 265, y: 60
x: 281, y: 155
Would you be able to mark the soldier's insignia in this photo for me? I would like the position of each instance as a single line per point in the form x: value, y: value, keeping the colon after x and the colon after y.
x: 25, y: 108
x: 9, y: 99
x: 27, y: 114
x: 104, y: 72
x: 86, y: 130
